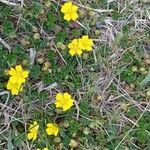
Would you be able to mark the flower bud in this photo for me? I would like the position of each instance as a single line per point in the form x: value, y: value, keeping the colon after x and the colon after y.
x: 36, y: 36
x: 58, y: 45
x: 74, y: 135
x: 148, y: 93
x: 34, y: 29
x: 134, y: 68
x: 24, y: 62
x: 48, y: 3
x: 58, y: 111
x: 147, y: 61
x: 81, y: 13
x: 40, y: 60
x: 92, y: 125
x: 63, y: 46
x: 47, y: 64
x: 92, y: 13
x: 66, y: 124
x: 44, y: 69
x: 86, y: 131
x: 85, y: 56
x: 142, y: 69
x: 57, y: 139
x: 73, y: 143
x: 25, y: 42
x: 6, y: 72
x: 97, y: 32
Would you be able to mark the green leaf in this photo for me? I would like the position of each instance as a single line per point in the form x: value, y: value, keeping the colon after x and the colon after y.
x: 146, y: 80
x: 8, y: 27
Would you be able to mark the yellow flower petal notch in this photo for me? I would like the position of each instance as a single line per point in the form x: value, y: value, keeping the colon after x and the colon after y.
x: 64, y: 101
x: 18, y: 74
x: 75, y: 47
x: 86, y: 43
x: 70, y: 11
x: 33, y: 131
x: 52, y: 129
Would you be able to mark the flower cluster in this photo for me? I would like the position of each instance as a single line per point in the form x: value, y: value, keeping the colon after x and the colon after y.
x: 77, y: 46
x: 52, y: 129
x: 17, y: 78
x: 64, y: 101
x: 70, y: 11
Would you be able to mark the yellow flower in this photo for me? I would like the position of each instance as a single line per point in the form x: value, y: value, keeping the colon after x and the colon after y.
x: 33, y: 131
x: 86, y: 43
x: 45, y: 148
x: 52, y: 129
x: 17, y: 77
x: 42, y: 149
x: 75, y: 48
x: 18, y: 74
x: 70, y: 11
x: 14, y: 87
x: 64, y: 101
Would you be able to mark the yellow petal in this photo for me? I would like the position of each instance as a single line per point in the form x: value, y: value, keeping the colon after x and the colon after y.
x: 74, y: 8
x: 13, y: 79
x: 18, y: 68
x: 67, y: 17
x: 68, y: 105
x: 9, y: 85
x: 25, y: 74
x: 79, y: 52
x: 35, y: 123
x: 14, y: 91
x: 21, y: 80
x: 56, y: 131
x: 58, y: 104
x: 72, y: 52
x: 12, y: 72
x: 52, y: 129
x: 85, y: 37
x: 59, y: 96
x: 35, y: 136
x: 74, y: 16
x: 29, y: 136
x: 49, y: 125
x: 75, y: 41
x: 67, y: 96
x: 66, y: 7
x: 49, y: 131
x: 89, y: 48
x: 45, y: 148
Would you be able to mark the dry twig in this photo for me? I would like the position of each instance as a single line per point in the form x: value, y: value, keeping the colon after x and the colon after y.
x: 8, y: 3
